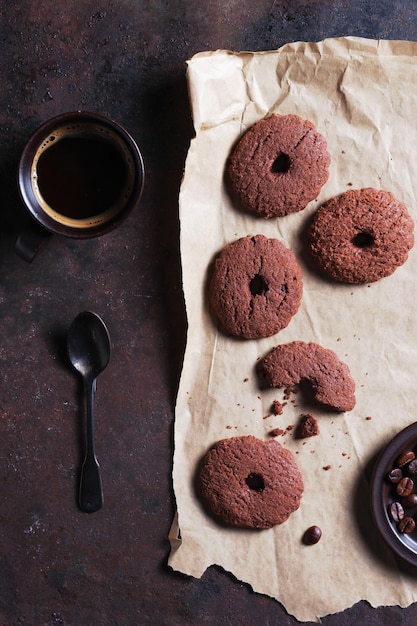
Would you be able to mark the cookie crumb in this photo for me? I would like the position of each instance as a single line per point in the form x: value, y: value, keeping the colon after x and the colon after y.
x: 287, y: 393
x: 308, y: 426
x: 277, y: 407
x: 275, y: 432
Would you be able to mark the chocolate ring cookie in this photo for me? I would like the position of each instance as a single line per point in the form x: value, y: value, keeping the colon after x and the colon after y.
x: 256, y: 287
x: 279, y: 165
x: 330, y: 379
x: 251, y: 483
x: 361, y: 235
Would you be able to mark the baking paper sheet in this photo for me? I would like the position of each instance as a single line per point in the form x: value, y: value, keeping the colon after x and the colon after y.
x: 362, y: 95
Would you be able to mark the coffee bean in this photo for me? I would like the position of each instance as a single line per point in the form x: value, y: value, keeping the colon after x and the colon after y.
x: 312, y: 535
x: 412, y: 467
x: 395, y: 475
x: 405, y: 486
x: 406, y: 525
x: 405, y: 458
x: 410, y: 501
x: 396, y: 511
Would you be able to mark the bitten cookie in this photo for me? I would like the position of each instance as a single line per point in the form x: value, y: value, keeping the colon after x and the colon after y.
x: 256, y: 287
x: 251, y: 483
x: 288, y: 364
x: 279, y: 165
x: 361, y: 236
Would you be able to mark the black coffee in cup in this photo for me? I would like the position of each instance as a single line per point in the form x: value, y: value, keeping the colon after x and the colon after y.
x: 80, y: 175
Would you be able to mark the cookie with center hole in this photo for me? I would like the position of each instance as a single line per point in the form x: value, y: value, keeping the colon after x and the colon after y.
x: 256, y: 287
x: 251, y: 483
x: 279, y: 165
x: 361, y: 236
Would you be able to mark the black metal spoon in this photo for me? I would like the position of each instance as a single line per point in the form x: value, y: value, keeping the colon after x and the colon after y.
x: 89, y: 353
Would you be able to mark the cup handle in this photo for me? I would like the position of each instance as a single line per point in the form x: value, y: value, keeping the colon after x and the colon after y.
x: 30, y: 242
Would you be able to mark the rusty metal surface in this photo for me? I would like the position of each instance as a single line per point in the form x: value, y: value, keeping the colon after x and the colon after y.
x: 125, y: 58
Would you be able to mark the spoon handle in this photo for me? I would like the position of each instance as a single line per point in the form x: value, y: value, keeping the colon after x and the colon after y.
x: 91, y: 492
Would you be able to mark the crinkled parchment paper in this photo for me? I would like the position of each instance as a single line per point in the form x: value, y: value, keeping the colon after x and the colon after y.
x: 362, y: 95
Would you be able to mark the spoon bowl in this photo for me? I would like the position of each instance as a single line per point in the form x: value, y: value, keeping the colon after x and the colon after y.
x: 89, y: 344
x: 89, y: 352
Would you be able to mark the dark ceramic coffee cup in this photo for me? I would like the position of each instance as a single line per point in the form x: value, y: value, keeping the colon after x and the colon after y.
x: 80, y: 175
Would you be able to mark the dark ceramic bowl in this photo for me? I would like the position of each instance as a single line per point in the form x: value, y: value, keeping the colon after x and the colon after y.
x: 383, y: 494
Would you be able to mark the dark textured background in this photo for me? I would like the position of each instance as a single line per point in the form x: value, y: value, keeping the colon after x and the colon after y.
x: 125, y: 58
